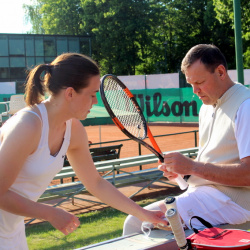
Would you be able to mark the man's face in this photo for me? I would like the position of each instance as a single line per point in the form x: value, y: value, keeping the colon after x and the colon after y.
x: 206, y: 85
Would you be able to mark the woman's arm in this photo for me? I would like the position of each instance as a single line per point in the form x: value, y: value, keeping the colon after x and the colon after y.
x: 19, y: 139
x: 81, y: 160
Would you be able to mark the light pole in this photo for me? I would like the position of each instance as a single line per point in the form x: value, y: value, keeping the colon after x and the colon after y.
x: 238, y: 41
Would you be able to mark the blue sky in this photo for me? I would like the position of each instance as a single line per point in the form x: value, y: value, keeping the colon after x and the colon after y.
x: 12, y: 16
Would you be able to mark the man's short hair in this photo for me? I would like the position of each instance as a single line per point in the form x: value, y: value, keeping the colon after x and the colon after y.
x: 208, y: 54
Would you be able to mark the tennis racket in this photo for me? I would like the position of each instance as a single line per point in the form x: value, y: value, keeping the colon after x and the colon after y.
x: 128, y: 117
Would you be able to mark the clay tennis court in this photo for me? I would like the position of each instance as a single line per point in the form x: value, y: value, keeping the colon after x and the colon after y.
x: 130, y: 148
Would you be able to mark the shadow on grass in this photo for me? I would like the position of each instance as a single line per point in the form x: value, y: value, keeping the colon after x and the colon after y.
x: 84, y: 218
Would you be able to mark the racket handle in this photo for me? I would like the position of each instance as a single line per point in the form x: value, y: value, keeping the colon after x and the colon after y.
x: 177, y: 228
x: 181, y: 182
x: 170, y: 202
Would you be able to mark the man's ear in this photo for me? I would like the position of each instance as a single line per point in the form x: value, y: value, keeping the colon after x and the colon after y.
x: 69, y: 93
x: 221, y: 71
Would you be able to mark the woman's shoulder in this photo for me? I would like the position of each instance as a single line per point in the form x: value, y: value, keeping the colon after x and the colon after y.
x: 78, y: 133
x: 25, y: 121
x: 77, y: 125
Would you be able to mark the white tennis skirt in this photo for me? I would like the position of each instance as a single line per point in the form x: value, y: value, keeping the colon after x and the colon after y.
x: 16, y: 242
x: 210, y: 204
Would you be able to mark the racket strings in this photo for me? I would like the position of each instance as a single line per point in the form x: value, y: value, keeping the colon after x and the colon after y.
x: 124, y: 108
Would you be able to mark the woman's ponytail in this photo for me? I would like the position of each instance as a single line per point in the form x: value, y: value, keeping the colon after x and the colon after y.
x: 35, y: 88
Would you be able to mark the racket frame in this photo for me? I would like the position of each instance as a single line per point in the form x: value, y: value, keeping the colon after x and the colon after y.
x: 154, y: 149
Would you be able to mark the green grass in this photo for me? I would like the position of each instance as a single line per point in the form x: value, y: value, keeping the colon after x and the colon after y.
x: 95, y: 227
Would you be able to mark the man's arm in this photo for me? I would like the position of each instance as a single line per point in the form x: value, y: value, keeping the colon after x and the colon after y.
x: 227, y: 174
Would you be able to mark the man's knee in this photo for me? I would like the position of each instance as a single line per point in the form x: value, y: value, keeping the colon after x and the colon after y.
x: 131, y: 225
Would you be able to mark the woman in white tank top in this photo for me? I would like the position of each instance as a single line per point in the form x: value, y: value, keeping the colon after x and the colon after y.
x: 34, y: 141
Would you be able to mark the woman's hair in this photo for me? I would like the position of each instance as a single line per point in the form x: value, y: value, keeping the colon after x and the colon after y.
x: 67, y: 70
x: 208, y: 54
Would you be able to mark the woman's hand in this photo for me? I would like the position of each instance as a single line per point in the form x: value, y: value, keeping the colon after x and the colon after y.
x: 156, y: 217
x: 64, y: 221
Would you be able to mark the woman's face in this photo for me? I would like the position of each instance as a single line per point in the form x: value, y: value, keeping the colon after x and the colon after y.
x: 85, y: 98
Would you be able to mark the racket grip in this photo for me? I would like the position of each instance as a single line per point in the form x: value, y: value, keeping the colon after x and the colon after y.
x: 181, y: 182
x: 177, y: 228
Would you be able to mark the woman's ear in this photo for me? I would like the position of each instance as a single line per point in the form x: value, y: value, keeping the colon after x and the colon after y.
x: 69, y: 93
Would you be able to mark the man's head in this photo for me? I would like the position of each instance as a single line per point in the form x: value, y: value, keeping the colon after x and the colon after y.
x: 205, y: 69
x: 208, y: 54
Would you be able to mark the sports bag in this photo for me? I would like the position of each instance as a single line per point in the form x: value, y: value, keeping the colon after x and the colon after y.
x: 217, y: 238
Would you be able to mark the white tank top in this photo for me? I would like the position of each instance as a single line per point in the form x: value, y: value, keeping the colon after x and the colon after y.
x: 36, y: 174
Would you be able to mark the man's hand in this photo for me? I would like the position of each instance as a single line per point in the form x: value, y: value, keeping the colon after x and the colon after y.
x: 174, y: 164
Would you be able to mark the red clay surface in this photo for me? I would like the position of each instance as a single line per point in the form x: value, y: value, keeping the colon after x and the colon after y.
x: 130, y: 148
x: 106, y: 133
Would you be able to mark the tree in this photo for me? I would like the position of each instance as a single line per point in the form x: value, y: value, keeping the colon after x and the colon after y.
x: 32, y: 15
x: 55, y: 16
x: 137, y: 36
x: 225, y: 14
x: 178, y: 25
x: 120, y: 32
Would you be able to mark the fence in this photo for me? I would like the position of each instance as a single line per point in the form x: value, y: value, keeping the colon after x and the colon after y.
x: 195, y: 132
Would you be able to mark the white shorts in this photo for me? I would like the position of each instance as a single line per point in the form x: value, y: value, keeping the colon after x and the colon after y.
x: 210, y: 204
x: 204, y: 201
